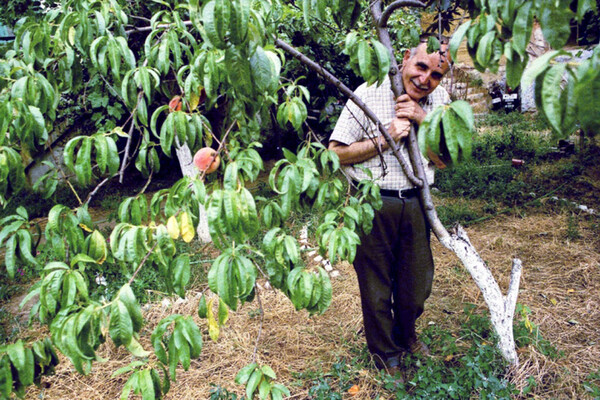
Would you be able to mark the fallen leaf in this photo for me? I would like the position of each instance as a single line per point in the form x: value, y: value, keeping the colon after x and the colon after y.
x: 449, y: 357
x: 353, y: 391
x: 571, y: 291
x: 553, y: 301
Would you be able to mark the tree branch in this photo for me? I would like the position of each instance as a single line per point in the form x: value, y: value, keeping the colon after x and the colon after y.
x: 370, y: 114
x: 412, y: 142
x: 383, y: 20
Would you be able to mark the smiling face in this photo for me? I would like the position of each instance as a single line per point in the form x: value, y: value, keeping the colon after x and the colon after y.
x: 422, y: 72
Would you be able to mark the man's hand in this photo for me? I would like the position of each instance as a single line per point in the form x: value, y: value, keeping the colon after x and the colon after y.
x: 399, y: 129
x: 408, y: 108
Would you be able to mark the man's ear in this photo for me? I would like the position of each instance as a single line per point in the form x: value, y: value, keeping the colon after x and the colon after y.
x: 406, y: 57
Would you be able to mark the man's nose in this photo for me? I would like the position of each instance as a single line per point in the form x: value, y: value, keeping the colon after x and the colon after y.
x: 424, y: 78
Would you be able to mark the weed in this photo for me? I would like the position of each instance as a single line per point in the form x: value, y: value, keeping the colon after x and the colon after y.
x: 492, y: 182
x: 572, y: 228
x: 527, y: 333
x: 592, y: 384
x: 10, y: 326
x: 333, y: 384
x: 459, y: 212
x: 219, y: 393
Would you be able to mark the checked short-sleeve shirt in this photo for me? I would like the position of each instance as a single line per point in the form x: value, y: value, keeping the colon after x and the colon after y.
x: 354, y: 126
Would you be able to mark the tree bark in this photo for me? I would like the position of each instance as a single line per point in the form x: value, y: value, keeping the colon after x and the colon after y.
x: 184, y: 155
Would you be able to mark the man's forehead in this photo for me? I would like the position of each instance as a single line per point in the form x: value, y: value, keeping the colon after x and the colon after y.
x: 436, y: 59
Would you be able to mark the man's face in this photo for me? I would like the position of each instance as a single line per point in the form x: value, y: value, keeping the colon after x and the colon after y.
x: 422, y: 73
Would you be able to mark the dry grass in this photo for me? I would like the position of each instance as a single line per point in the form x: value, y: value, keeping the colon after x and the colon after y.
x: 560, y: 283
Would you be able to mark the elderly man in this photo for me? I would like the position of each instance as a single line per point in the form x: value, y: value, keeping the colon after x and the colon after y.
x: 393, y: 263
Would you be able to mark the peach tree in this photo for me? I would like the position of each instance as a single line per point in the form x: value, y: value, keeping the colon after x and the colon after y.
x: 228, y: 56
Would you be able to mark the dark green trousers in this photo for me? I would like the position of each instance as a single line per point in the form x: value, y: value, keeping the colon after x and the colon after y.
x: 394, y: 266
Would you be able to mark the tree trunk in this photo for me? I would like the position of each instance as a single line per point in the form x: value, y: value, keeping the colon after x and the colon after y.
x: 184, y: 155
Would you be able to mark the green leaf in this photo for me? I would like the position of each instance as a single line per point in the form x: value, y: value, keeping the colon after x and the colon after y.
x: 253, y: 382
x: 364, y: 60
x: 126, y: 296
x: 452, y: 130
x: 83, y: 164
x: 457, y: 38
x: 202, y: 308
x: 551, y: 95
x: 136, y: 349
x: 210, y: 25
x: 583, y: 6
x: 569, y: 106
x: 555, y: 23
x: 121, y: 326
x: 587, y: 92
x: 383, y: 60
x: 146, y: 385
x: 522, y: 28
x: 514, y: 67
x: 538, y: 66
x: 244, y: 374
x: 10, y: 256
x: 260, y: 66
x: 484, y: 49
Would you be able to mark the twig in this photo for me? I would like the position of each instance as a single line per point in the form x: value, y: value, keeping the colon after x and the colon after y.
x: 149, y: 28
x: 93, y: 192
x: 66, y: 179
x: 262, y: 318
x: 147, y: 182
x: 129, y: 137
x: 142, y: 263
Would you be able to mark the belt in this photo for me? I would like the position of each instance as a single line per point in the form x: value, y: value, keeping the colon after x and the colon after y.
x: 404, y: 193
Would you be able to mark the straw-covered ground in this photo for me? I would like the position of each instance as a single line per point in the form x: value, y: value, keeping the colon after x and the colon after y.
x: 560, y: 284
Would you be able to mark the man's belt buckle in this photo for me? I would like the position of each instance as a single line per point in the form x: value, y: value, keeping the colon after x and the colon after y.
x: 408, y: 193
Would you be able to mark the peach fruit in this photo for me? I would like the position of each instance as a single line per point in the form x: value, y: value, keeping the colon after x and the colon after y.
x: 207, y: 160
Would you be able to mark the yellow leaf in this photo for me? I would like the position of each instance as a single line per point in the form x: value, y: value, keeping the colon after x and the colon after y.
x: 571, y: 291
x: 213, y: 325
x: 173, y: 227
x: 120, y: 132
x: 71, y: 37
x: 449, y: 357
x: 553, y: 301
x: 187, y: 229
x: 194, y: 100
x: 85, y: 227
